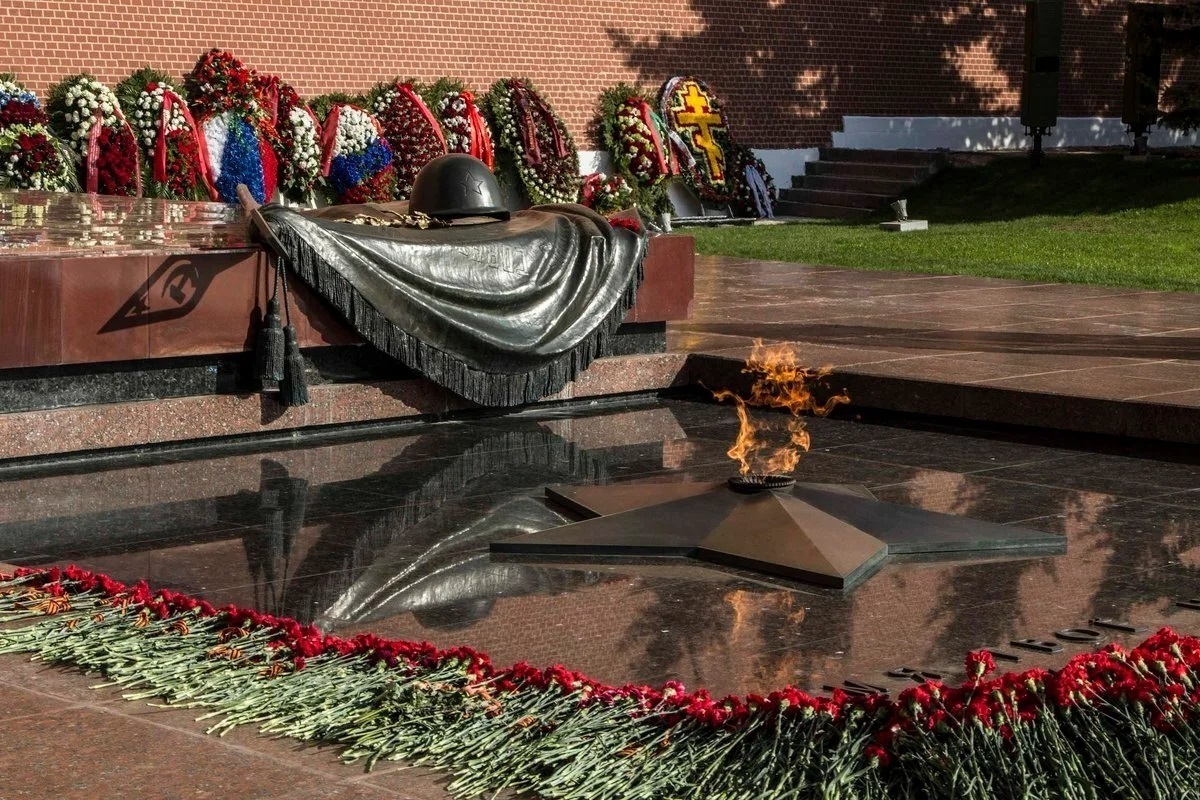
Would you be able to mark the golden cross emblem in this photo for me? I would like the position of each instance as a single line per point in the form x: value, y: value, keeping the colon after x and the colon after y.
x: 699, y: 116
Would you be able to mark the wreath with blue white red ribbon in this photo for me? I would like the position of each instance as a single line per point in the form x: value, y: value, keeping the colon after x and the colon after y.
x: 31, y: 156
x: 237, y: 131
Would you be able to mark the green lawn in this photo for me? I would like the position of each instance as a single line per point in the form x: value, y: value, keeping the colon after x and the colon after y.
x: 1078, y: 219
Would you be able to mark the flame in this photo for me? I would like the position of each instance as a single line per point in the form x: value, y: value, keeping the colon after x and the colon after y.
x: 779, y: 382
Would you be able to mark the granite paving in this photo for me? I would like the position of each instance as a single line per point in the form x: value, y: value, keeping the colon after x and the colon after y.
x: 1099, y: 359
x: 387, y: 531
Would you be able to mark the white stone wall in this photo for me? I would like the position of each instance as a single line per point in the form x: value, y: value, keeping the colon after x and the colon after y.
x: 989, y: 133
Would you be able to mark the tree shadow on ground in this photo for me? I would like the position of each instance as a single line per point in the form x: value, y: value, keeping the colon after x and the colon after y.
x: 1009, y: 187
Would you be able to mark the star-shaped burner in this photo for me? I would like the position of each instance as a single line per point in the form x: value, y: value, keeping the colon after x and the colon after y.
x: 825, y: 534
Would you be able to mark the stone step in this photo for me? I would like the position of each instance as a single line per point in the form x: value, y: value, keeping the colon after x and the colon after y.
x: 854, y: 183
x: 890, y: 172
x: 911, y: 157
x: 793, y: 209
x: 843, y: 199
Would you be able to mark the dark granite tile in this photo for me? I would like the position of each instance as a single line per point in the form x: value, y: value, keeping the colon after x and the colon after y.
x: 418, y: 566
x: 1147, y: 470
x: 1186, y: 499
x: 31, y: 307
x: 1134, y: 535
x: 310, y: 502
x: 981, y: 497
x: 946, y: 452
x: 1099, y: 473
x: 53, y: 538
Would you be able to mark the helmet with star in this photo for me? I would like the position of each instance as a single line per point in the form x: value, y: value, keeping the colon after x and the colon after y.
x: 457, y: 185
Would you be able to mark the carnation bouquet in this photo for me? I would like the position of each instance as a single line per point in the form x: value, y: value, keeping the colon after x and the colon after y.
x: 174, y: 156
x: 411, y: 130
x: 606, y: 194
x: 237, y: 132
x: 31, y: 157
x: 463, y: 124
x: 533, y: 142
x: 356, y: 159
x: 86, y: 113
x: 640, y: 146
x: 1115, y: 722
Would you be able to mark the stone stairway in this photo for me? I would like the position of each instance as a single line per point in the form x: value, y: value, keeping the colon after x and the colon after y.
x: 848, y: 183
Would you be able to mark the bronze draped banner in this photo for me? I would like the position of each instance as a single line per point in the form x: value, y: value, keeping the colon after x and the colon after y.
x: 502, y: 313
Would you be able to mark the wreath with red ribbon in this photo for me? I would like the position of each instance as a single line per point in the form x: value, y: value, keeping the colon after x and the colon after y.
x: 533, y: 142
x: 299, y: 137
x: 463, y: 123
x: 31, y: 157
x: 230, y: 104
x: 638, y: 142
x: 86, y: 113
x: 411, y: 129
x: 174, y: 155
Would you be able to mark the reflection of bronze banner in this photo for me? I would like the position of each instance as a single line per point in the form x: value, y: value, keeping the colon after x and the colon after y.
x: 418, y: 552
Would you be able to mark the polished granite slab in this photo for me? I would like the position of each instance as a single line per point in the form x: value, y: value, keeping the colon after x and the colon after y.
x: 1097, y: 359
x: 41, y: 224
x: 389, y: 533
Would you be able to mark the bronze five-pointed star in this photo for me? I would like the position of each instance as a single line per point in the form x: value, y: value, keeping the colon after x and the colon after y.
x: 829, y: 535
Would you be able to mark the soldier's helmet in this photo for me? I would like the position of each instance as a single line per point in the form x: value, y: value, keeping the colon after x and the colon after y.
x: 457, y: 185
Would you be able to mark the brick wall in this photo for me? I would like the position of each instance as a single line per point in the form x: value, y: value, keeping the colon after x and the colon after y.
x: 788, y: 69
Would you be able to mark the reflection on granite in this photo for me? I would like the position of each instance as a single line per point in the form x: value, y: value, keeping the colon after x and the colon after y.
x: 36, y: 224
x: 390, y: 534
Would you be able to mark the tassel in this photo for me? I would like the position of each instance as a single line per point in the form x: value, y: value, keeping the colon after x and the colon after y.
x: 270, y: 345
x: 293, y: 389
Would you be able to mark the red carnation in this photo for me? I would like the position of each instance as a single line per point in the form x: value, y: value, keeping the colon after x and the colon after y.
x: 979, y: 664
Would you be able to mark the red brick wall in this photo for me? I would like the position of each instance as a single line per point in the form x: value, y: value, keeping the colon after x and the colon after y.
x: 788, y: 69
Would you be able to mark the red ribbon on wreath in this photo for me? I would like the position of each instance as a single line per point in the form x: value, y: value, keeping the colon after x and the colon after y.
x: 524, y: 99
x: 271, y: 95
x: 328, y: 138
x: 172, y: 101
x: 92, y: 183
x: 93, y: 152
x: 643, y: 109
x: 407, y: 91
x: 481, y: 141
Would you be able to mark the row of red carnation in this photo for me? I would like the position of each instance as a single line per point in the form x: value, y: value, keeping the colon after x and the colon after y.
x: 1159, y: 675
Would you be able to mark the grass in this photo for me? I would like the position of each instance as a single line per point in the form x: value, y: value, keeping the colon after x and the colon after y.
x: 1090, y: 218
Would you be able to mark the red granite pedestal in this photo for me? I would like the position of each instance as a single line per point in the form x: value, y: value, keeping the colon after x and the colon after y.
x: 118, y: 281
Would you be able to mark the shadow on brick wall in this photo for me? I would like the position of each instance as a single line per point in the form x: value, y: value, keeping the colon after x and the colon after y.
x: 805, y: 63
